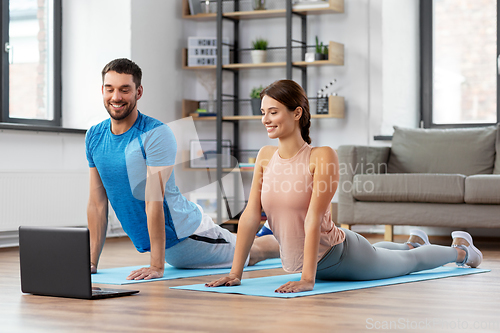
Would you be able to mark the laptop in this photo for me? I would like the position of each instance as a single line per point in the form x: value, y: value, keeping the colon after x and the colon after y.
x: 56, y: 262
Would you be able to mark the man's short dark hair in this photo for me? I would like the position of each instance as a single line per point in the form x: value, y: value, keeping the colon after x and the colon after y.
x: 124, y: 66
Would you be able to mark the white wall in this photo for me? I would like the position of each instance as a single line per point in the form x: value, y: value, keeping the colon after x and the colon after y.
x: 401, y: 64
x: 156, y: 41
x: 94, y: 32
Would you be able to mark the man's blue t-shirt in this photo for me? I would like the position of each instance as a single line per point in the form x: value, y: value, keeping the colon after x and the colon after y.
x: 122, y: 161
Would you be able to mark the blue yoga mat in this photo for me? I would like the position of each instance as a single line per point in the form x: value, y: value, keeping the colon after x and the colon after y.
x: 266, y: 286
x: 119, y: 275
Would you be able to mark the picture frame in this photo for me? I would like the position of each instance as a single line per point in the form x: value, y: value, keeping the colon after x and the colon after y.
x: 194, y: 7
x: 207, y: 156
x: 208, y: 202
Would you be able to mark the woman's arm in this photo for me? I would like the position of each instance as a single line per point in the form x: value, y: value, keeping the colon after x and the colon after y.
x: 324, y: 165
x: 248, y: 224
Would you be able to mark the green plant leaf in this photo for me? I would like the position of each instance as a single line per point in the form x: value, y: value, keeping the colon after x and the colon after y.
x: 325, y: 49
x: 255, y: 92
x: 259, y: 44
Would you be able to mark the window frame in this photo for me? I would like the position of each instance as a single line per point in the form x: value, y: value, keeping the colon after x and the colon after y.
x: 56, y: 50
x: 426, y: 69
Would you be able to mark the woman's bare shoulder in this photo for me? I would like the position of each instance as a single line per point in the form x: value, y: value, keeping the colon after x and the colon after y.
x: 267, y: 152
x: 324, y: 153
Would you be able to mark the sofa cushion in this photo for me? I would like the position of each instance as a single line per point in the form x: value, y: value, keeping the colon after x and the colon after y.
x: 482, y: 189
x: 497, y: 160
x: 451, y: 151
x: 420, y: 187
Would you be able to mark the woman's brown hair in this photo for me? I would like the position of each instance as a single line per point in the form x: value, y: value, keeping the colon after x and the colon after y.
x: 290, y: 94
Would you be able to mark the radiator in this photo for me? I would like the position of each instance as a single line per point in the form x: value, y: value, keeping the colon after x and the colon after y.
x: 43, y: 198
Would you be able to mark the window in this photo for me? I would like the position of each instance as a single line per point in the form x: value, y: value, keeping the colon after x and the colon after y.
x: 31, y: 62
x: 459, y: 63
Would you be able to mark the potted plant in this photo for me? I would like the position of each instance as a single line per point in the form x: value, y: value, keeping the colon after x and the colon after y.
x: 259, y: 51
x: 320, y: 53
x: 255, y: 100
x: 325, y: 52
x: 259, y: 4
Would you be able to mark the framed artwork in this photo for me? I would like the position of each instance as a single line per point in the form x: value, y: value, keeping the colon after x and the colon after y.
x: 208, y: 201
x: 203, y: 154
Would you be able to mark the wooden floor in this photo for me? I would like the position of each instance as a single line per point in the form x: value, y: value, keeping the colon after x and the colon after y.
x: 464, y: 304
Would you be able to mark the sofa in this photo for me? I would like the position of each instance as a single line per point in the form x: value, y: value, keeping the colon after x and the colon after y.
x: 428, y: 177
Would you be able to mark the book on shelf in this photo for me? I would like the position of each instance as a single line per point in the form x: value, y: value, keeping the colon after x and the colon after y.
x: 247, y: 165
x: 202, y: 114
x: 311, y: 4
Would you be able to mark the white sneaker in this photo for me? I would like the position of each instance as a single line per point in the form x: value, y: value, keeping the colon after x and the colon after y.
x: 418, y: 238
x: 463, y: 240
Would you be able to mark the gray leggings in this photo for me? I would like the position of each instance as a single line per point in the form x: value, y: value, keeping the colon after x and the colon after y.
x: 357, y: 259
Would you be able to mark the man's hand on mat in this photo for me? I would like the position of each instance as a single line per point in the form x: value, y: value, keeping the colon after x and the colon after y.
x: 226, y: 281
x: 146, y: 273
x: 296, y: 287
x: 93, y: 269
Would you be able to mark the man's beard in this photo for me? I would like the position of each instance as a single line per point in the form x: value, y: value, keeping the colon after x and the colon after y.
x: 125, y: 113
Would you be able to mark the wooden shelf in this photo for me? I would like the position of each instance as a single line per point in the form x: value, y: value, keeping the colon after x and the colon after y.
x: 234, y: 118
x: 335, y: 6
x: 242, y: 117
x: 231, y: 222
x: 335, y: 58
x: 256, y: 14
x: 250, y: 65
x: 336, y: 107
x: 201, y: 17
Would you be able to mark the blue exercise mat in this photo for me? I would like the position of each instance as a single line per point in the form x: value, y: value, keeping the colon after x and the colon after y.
x: 119, y: 275
x: 266, y: 286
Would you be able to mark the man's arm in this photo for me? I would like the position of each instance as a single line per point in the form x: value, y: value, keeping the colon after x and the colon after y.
x: 97, y: 217
x: 155, y: 192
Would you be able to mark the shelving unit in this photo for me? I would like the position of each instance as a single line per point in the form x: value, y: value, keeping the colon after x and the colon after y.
x: 335, y: 58
x: 336, y: 107
x: 334, y: 6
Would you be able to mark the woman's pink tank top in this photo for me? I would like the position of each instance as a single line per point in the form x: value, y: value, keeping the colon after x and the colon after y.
x: 286, y: 193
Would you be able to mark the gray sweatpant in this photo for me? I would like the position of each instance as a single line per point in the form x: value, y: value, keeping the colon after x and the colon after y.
x: 357, y: 259
x: 210, y: 246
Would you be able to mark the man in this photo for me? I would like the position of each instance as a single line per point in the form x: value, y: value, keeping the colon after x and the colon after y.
x: 131, y: 158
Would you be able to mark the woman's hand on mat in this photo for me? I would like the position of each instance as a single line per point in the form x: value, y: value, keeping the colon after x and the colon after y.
x: 296, y: 287
x: 146, y: 273
x: 226, y: 281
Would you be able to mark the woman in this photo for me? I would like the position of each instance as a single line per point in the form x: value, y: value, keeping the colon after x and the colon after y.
x: 295, y: 184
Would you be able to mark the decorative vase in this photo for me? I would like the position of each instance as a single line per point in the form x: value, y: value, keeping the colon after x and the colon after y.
x: 319, y: 56
x: 258, y: 56
x: 259, y: 4
x: 309, y: 57
x: 211, y: 102
x: 256, y: 106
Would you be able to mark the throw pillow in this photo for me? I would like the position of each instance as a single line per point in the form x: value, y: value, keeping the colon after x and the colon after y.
x: 466, y: 151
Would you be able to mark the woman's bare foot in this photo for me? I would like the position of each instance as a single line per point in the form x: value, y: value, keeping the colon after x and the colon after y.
x: 263, y: 248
